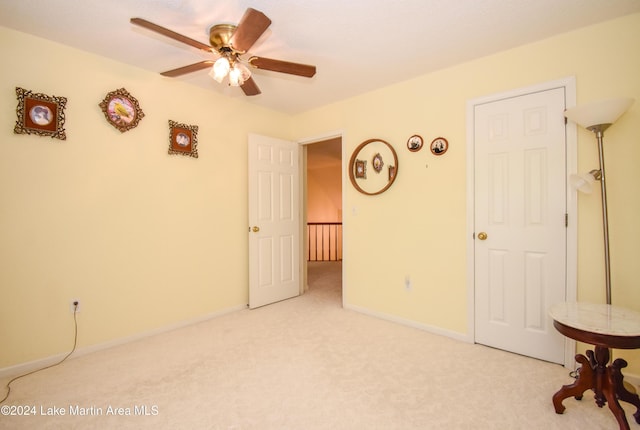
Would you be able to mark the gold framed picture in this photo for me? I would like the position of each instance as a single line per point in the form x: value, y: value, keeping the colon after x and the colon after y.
x: 121, y: 110
x: 377, y: 163
x: 40, y: 114
x: 183, y: 139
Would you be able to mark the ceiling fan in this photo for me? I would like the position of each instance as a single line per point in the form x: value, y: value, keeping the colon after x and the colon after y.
x: 230, y: 42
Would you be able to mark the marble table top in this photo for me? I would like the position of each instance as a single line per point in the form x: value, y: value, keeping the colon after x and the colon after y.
x: 597, y: 318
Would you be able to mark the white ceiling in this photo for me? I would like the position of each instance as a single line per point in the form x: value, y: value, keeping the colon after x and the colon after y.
x: 357, y: 45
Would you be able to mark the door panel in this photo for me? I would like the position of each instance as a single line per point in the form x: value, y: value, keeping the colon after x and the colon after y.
x: 274, y: 231
x: 520, y: 203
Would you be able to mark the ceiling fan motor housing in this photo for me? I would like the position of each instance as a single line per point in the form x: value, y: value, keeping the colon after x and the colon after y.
x: 220, y: 38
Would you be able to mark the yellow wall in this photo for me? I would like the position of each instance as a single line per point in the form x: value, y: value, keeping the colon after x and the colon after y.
x: 143, y: 239
x: 417, y: 228
x: 324, y: 194
x: 146, y: 240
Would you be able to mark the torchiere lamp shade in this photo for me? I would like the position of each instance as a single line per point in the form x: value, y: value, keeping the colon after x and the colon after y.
x: 599, y: 113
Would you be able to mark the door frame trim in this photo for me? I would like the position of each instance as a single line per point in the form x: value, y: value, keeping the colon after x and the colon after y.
x: 303, y: 201
x: 569, y: 85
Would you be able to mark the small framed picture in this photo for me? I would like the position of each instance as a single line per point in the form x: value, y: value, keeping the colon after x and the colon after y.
x: 183, y: 139
x: 121, y: 110
x: 439, y: 146
x: 414, y: 143
x: 361, y: 169
x: 40, y: 114
x: 377, y: 163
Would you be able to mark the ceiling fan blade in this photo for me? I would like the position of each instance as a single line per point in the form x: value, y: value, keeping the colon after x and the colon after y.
x: 250, y: 88
x: 188, y: 69
x: 171, y: 34
x: 283, y: 66
x: 249, y: 29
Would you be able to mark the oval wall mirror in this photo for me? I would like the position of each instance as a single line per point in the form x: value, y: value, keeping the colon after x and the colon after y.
x: 373, y: 167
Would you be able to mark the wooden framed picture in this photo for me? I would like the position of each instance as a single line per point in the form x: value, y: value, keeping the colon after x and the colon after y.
x: 439, y: 146
x: 379, y: 153
x: 121, y: 110
x: 183, y: 139
x: 414, y: 143
x: 361, y: 169
x: 392, y: 173
x: 40, y: 114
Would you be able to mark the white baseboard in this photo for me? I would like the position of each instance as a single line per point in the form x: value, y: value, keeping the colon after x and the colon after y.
x: 22, y: 368
x: 428, y: 328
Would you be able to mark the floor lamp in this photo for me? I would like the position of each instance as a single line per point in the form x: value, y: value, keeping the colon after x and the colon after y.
x: 597, y: 117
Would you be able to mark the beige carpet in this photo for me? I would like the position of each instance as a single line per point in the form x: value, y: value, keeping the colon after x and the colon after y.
x: 304, y: 363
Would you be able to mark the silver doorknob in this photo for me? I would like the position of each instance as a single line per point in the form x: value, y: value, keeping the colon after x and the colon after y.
x: 482, y: 235
x: 255, y: 229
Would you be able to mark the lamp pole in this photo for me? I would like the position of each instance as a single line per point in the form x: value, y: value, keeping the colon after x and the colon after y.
x: 599, y: 131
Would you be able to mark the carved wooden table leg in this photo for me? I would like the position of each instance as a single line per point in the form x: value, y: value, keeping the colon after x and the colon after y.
x: 621, y: 392
x: 583, y: 383
x: 608, y: 391
x: 606, y: 383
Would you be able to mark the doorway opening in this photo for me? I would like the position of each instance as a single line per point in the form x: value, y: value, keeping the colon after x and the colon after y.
x: 323, y: 215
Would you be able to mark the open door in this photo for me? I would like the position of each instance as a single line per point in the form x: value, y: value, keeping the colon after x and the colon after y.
x: 274, y: 220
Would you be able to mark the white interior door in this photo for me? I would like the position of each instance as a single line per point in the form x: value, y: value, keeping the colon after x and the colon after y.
x: 274, y: 220
x: 520, y: 207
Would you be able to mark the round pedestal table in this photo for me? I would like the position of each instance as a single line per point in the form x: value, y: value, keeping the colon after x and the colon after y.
x: 605, y: 327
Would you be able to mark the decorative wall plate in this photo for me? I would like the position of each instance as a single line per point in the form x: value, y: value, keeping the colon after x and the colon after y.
x: 439, y: 146
x: 414, y: 143
x: 121, y: 110
x: 183, y: 139
x: 40, y: 114
x: 375, y: 150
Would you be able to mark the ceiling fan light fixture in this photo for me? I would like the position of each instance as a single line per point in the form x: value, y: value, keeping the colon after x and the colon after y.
x: 220, y: 69
x: 235, y: 77
x: 245, y: 73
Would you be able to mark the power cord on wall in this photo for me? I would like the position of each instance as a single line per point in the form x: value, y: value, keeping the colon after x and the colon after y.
x: 75, y: 343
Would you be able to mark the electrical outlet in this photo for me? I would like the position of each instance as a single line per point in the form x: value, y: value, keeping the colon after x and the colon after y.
x: 407, y: 283
x: 74, y: 306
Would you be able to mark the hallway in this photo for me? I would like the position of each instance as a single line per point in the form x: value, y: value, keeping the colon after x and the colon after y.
x: 325, y: 280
